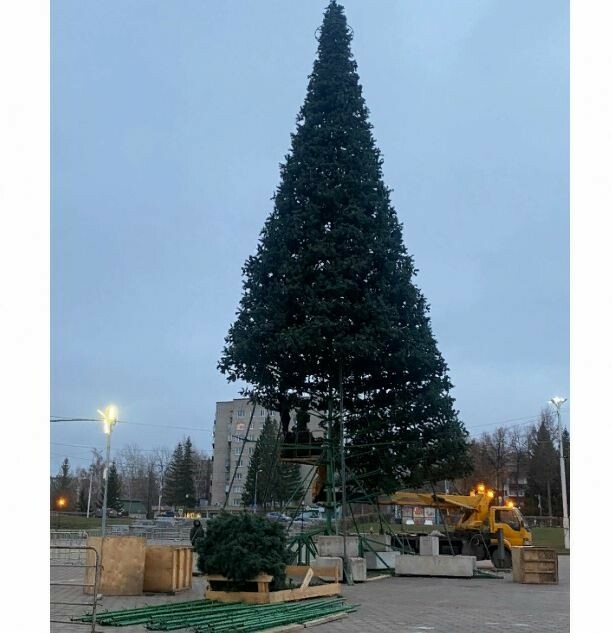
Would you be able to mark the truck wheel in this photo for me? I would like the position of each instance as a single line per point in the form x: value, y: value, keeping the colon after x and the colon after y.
x: 496, y: 560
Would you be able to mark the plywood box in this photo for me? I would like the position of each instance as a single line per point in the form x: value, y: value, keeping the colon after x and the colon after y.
x: 535, y: 565
x: 123, y: 563
x: 167, y: 568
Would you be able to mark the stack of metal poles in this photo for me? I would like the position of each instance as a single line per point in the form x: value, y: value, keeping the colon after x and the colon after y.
x: 206, y: 616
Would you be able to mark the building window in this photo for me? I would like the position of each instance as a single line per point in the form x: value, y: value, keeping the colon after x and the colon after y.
x: 240, y: 463
x: 237, y: 502
x: 237, y: 450
x: 251, y: 450
x: 241, y: 413
x: 237, y: 488
x: 238, y: 476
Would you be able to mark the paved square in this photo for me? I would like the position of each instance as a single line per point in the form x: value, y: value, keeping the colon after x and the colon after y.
x: 412, y: 605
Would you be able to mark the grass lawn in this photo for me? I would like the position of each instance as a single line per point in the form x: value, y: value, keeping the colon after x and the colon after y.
x: 60, y: 521
x: 549, y: 537
x: 542, y: 536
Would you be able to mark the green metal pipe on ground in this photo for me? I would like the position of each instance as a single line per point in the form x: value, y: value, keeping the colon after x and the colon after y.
x: 141, y: 610
x: 218, y: 617
x: 252, y: 625
x: 223, y: 609
x: 242, y: 614
x: 279, y: 617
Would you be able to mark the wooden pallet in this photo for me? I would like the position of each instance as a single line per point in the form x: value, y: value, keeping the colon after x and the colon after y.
x: 263, y: 595
x: 167, y: 569
x: 535, y: 565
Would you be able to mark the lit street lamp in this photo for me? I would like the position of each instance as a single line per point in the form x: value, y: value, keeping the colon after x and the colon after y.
x: 557, y: 402
x: 109, y: 418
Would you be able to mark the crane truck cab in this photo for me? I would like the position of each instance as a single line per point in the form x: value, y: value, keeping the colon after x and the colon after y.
x: 476, y: 531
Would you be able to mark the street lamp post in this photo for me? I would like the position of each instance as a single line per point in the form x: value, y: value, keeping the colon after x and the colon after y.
x: 255, y: 493
x: 161, y: 488
x: 557, y: 402
x: 89, y: 493
x: 109, y: 418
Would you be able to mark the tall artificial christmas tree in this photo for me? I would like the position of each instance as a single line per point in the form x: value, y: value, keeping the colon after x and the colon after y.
x: 330, y: 319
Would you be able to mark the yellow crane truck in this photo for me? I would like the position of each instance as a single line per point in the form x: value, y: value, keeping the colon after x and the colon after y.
x: 475, y: 528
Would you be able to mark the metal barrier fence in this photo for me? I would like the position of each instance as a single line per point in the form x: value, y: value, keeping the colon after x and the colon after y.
x: 75, y: 569
x: 175, y: 535
x: 542, y: 521
x: 75, y: 573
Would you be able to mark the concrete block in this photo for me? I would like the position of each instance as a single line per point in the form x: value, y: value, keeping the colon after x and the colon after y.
x: 373, y: 560
x: 329, y: 561
x: 457, y: 566
x: 334, y: 546
x: 429, y: 546
x: 358, y: 569
x: 377, y: 543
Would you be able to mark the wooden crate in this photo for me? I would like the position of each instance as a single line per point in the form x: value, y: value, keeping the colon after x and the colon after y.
x: 167, y: 569
x: 122, y: 565
x: 535, y: 565
x: 263, y: 595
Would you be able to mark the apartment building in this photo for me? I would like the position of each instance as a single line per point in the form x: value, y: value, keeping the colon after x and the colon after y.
x: 229, y: 435
x: 514, y: 487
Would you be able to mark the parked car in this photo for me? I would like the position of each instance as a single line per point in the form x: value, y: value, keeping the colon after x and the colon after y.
x: 111, y: 513
x: 308, y: 517
x: 277, y: 516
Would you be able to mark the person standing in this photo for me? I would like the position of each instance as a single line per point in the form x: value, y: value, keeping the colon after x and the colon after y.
x: 196, y: 532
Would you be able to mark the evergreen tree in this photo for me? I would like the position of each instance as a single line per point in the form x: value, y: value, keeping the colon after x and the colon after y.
x: 63, y: 487
x: 82, y: 501
x: 263, y: 467
x: 277, y: 482
x: 290, y: 485
x: 188, y: 474
x: 172, y: 477
x: 179, y: 477
x: 241, y: 546
x: 114, y: 489
x: 329, y: 299
x: 543, y: 476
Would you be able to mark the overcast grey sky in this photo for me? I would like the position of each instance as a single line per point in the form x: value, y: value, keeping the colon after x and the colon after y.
x: 168, y: 124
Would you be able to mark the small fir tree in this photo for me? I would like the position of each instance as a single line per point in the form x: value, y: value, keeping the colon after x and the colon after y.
x: 187, y: 471
x: 241, y: 546
x: 172, y: 477
x: 179, y: 486
x: 543, y: 476
x: 63, y: 487
x: 114, y: 489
